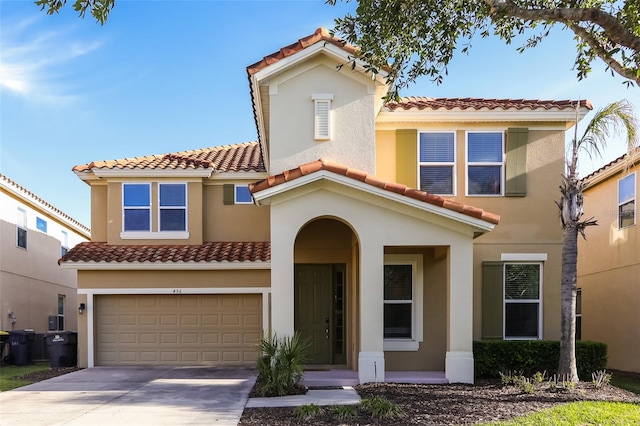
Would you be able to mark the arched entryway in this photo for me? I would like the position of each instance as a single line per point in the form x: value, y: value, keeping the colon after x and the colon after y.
x: 325, y: 290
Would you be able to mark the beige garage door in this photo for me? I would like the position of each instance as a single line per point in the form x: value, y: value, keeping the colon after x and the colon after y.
x: 178, y: 329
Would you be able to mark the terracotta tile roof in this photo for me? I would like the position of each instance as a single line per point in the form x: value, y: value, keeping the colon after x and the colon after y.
x: 361, y: 176
x: 422, y: 103
x: 20, y: 189
x: 207, y: 252
x: 321, y: 34
x: 241, y: 157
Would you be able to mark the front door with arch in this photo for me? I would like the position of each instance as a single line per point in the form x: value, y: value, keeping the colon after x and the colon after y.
x: 319, y: 310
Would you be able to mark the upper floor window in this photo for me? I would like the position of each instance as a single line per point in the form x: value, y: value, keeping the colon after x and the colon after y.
x: 627, y: 201
x: 322, y: 115
x: 64, y: 243
x: 522, y: 300
x: 437, y: 162
x: 242, y: 195
x: 173, y: 207
x: 21, y: 228
x: 136, y: 206
x: 41, y: 224
x: 485, y: 163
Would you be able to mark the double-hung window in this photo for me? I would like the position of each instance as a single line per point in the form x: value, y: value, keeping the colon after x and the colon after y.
x: 437, y: 162
x: 173, y: 207
x: 522, y: 300
x: 137, y: 207
x: 61, y: 300
x: 21, y: 228
x: 403, y: 289
x: 485, y: 163
x: 627, y: 201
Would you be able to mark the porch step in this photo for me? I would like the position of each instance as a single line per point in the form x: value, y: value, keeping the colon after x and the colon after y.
x: 330, y: 378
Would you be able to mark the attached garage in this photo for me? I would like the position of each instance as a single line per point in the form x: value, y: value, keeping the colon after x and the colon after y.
x: 183, y: 329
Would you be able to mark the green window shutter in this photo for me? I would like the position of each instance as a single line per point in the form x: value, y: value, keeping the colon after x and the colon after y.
x: 407, y: 157
x: 492, y: 300
x: 516, y: 173
x: 227, y: 193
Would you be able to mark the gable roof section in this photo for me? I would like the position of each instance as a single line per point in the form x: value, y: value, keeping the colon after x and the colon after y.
x: 626, y: 161
x: 357, y: 175
x: 92, y: 253
x: 243, y: 157
x: 29, y: 197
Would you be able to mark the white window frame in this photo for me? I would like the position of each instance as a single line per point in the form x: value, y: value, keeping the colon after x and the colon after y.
x: 454, y: 178
x: 417, y: 317
x: 21, y: 225
x: 322, y: 116
x: 489, y: 163
x: 506, y: 301
x: 186, y: 203
x: 235, y: 194
x: 148, y: 208
x: 632, y: 178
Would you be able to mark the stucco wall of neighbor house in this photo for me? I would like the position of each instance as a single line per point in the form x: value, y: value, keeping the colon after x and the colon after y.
x: 115, y: 213
x: 31, y: 280
x: 237, y: 222
x: 608, y: 271
x: 377, y: 223
x: 291, y: 119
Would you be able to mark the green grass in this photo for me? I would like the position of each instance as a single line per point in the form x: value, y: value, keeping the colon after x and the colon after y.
x: 8, y: 374
x: 626, y: 382
x: 580, y: 413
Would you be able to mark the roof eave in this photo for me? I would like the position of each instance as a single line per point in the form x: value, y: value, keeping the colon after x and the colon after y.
x: 129, y: 266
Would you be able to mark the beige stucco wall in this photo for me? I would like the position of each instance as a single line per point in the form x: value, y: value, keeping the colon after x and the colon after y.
x: 31, y: 280
x: 171, y: 279
x: 99, y: 213
x: 291, y: 116
x: 234, y: 222
x: 608, y: 271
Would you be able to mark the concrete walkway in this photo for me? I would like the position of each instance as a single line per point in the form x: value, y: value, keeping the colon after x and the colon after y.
x: 149, y: 396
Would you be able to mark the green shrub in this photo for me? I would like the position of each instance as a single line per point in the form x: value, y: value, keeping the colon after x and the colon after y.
x: 381, y: 407
x: 343, y: 412
x: 281, y: 365
x: 530, y: 356
x: 308, y: 411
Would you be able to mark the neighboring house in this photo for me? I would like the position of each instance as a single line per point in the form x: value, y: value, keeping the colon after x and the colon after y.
x: 317, y: 228
x: 33, y: 236
x: 609, y: 262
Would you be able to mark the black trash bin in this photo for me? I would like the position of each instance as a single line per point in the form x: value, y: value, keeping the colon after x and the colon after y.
x: 62, y: 347
x: 20, y: 342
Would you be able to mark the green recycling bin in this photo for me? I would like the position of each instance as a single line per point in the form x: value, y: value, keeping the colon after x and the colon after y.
x: 20, y: 342
x: 63, y: 348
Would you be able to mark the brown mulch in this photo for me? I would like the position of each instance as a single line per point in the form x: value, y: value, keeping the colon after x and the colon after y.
x: 446, y: 404
x: 50, y: 373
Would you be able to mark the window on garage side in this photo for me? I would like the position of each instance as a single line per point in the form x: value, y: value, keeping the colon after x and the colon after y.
x: 485, y: 163
x: 522, y: 300
x: 437, y: 162
x: 627, y: 201
x: 173, y: 207
x: 136, y: 206
x: 61, y: 302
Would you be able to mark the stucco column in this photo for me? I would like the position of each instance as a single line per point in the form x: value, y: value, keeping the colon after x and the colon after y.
x: 282, y: 297
x: 459, y: 358
x: 371, y: 356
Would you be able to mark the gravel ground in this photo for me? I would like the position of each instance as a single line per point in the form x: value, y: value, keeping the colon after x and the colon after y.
x: 445, y: 404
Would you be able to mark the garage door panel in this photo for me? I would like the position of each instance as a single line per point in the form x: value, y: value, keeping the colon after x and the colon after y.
x: 178, y: 329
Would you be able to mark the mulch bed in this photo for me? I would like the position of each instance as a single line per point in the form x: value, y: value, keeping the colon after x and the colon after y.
x: 446, y: 404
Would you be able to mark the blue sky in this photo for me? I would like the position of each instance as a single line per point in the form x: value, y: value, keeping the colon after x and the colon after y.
x: 166, y: 76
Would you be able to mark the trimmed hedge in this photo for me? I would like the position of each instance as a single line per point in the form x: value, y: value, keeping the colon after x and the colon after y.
x: 531, y: 356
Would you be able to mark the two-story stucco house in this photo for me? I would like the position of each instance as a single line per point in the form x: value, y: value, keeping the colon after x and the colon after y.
x: 33, y: 236
x: 391, y: 234
x: 609, y: 262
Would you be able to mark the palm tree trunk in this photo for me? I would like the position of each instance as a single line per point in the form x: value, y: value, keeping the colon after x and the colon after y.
x: 567, y: 366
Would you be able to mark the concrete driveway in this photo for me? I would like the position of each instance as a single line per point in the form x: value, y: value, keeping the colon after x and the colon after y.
x: 125, y: 396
